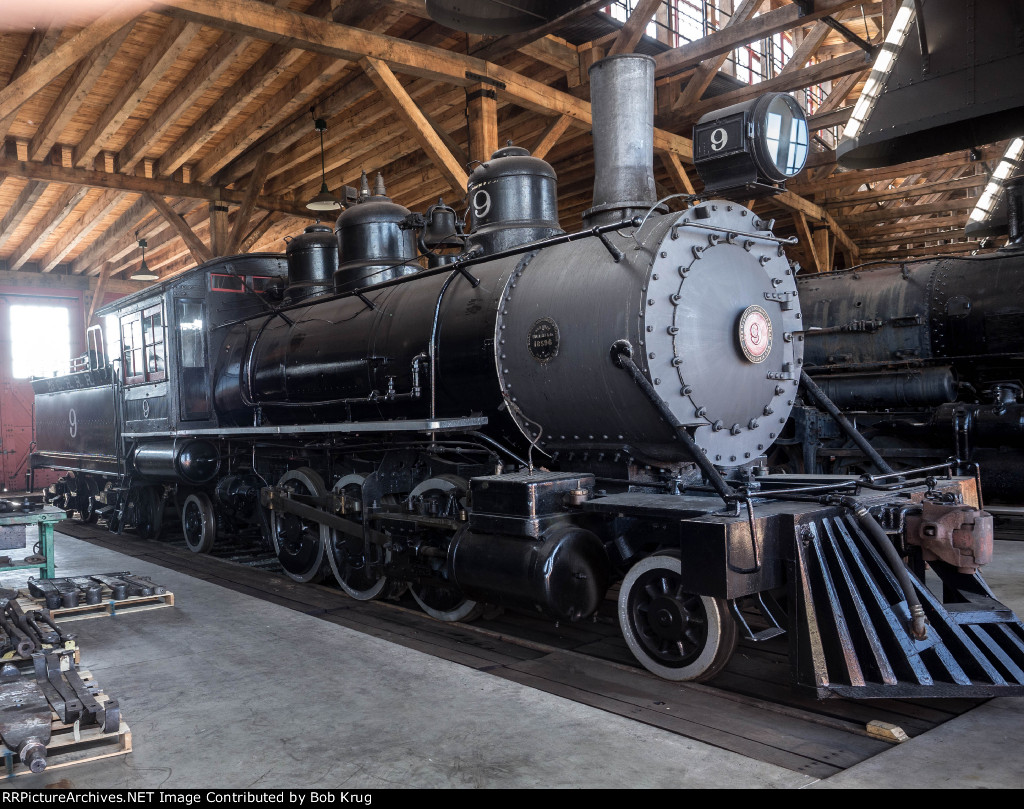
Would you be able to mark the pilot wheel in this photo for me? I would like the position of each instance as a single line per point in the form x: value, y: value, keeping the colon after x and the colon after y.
x: 198, y: 523
x: 674, y: 634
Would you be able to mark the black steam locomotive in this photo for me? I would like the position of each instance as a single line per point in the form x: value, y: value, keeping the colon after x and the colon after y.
x: 927, y: 358
x: 537, y: 416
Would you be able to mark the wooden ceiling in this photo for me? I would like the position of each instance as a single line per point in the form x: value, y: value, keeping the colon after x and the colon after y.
x: 189, y: 124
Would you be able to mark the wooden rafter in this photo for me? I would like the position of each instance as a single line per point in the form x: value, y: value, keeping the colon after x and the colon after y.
x: 88, y: 222
x: 60, y: 59
x: 244, y: 213
x: 177, y: 37
x: 419, y: 127
x: 550, y: 136
x: 73, y: 94
x: 675, y: 61
x: 708, y: 69
x: 125, y: 182
x: 630, y: 33
x: 194, y: 244
x: 56, y: 213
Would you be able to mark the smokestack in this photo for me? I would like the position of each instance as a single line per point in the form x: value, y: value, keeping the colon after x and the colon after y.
x: 622, y: 106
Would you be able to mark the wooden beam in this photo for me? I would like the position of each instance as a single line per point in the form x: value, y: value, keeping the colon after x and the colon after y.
x: 40, y: 44
x: 283, y: 118
x: 708, y: 69
x: 803, y: 232
x: 731, y: 37
x: 152, y: 68
x: 20, y: 209
x: 894, y: 213
x: 419, y: 127
x: 908, y: 192
x: 199, y: 251
x: 256, y: 179
x: 115, y: 242
x: 56, y: 214
x: 482, y: 110
x: 90, y: 219
x: 633, y: 29
x: 97, y: 295
x: 805, y: 77
x: 233, y: 100
x: 262, y: 226
x: 674, y: 166
x: 829, y: 119
x: 302, y: 31
x: 957, y: 248
x: 848, y: 181
x: 549, y: 137
x: 141, y: 185
x: 74, y: 93
x: 905, y: 226
x: 840, y: 90
x: 792, y: 202
x: 806, y: 49
x: 186, y: 94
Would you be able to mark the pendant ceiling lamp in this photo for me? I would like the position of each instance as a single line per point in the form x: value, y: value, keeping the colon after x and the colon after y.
x: 144, y: 273
x: 323, y: 201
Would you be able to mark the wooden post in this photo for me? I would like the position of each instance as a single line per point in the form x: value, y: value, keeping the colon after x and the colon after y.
x: 218, y: 228
x: 482, y: 104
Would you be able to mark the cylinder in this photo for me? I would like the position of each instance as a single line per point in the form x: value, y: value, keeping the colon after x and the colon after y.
x: 563, y: 575
x: 622, y: 108
x: 919, y: 387
x: 191, y: 461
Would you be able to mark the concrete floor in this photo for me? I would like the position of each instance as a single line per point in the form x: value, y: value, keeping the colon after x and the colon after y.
x: 224, y: 690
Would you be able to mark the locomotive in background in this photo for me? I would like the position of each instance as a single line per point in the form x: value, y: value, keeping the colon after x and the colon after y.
x: 926, y: 357
x: 538, y: 416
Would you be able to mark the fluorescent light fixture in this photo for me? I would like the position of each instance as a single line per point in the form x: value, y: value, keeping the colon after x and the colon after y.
x: 880, y: 70
x: 990, y: 196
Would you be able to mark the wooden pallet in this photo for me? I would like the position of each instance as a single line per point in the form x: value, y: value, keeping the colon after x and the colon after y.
x: 70, y: 746
x: 106, y: 608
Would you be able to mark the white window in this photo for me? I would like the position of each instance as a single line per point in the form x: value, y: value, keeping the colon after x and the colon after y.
x: 40, y: 340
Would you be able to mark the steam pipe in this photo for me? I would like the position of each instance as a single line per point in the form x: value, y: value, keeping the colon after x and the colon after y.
x: 881, y: 539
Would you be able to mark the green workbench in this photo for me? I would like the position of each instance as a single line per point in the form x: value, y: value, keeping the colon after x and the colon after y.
x: 44, y: 519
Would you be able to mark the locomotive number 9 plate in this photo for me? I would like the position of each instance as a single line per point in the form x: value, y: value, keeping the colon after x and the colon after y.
x: 755, y: 332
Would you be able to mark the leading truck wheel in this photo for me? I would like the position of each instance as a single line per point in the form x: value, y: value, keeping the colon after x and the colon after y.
x: 300, y: 542
x: 674, y: 634
x: 198, y: 523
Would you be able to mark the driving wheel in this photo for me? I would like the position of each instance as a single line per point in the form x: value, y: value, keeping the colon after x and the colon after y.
x: 357, y: 564
x: 438, y: 597
x: 300, y: 542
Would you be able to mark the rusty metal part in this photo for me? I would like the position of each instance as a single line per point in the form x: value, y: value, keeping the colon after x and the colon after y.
x: 959, y: 535
x: 24, y: 718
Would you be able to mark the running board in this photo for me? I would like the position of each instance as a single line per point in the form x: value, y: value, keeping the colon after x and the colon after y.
x: 853, y: 637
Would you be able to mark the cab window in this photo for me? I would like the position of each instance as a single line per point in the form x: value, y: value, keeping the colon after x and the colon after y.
x: 143, y: 353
